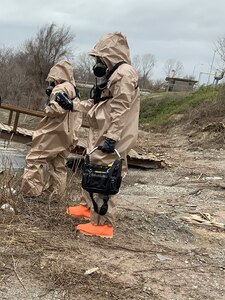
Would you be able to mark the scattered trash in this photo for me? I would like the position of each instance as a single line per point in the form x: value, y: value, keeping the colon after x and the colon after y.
x: 206, y: 216
x: 202, y: 219
x: 214, y: 126
x: 90, y: 271
x: 11, y: 190
x: 213, y: 178
x: 148, y: 290
x: 163, y: 257
x: 195, y: 192
x: 7, y: 207
x: 178, y: 212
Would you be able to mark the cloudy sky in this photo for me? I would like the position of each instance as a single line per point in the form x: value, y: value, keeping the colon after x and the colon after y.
x: 184, y: 30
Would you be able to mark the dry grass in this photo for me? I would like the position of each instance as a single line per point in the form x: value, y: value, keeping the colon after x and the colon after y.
x: 208, y: 111
x: 37, y: 226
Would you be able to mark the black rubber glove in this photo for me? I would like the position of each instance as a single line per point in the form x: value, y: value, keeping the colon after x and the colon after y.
x: 108, y: 146
x: 64, y: 101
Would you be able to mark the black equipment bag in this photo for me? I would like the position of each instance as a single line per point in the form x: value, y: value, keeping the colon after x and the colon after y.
x: 100, y: 179
x: 105, y: 180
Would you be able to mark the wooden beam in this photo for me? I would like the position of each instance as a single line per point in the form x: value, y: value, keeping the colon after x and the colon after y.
x: 31, y: 112
x: 23, y: 110
x: 16, y: 121
x: 10, y: 118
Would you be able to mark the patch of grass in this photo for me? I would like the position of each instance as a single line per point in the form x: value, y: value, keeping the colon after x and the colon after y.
x: 157, y: 111
x: 84, y: 92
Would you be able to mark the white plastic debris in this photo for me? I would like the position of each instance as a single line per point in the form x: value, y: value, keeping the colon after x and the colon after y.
x: 213, y: 178
x: 90, y: 271
x: 163, y: 257
x: 7, y: 207
x: 11, y: 190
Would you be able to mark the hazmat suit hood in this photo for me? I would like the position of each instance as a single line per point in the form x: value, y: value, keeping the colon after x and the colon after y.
x: 61, y: 71
x: 112, y: 48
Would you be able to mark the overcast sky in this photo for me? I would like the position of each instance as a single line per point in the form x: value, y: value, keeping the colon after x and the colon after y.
x: 184, y: 30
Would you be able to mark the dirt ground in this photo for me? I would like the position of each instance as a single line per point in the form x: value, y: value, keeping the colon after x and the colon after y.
x: 155, y: 254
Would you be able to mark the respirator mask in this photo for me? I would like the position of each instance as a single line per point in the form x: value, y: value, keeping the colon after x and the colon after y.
x: 99, y: 69
x: 49, y: 89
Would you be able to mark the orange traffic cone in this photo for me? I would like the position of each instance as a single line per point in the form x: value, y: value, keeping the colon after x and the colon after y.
x: 80, y: 211
x: 98, y: 230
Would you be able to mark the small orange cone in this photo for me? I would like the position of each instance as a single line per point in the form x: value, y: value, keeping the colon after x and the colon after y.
x: 80, y: 211
x: 98, y: 230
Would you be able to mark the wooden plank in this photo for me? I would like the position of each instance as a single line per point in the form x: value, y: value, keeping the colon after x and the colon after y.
x: 30, y: 112
x: 23, y: 110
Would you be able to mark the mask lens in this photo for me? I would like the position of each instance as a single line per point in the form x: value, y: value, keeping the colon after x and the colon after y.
x: 48, y: 91
x: 99, y: 69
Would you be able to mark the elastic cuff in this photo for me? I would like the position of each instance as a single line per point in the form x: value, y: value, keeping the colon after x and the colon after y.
x: 112, y: 136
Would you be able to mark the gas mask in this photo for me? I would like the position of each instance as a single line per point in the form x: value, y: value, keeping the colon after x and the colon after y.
x: 49, y: 89
x: 99, y: 69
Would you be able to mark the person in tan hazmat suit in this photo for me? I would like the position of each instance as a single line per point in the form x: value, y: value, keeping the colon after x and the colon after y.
x: 55, y: 136
x: 113, y: 115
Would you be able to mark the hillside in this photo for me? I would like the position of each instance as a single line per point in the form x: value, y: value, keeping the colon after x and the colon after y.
x: 200, y: 115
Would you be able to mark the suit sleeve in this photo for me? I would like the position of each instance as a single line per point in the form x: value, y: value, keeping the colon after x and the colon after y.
x: 82, y: 106
x: 54, y: 110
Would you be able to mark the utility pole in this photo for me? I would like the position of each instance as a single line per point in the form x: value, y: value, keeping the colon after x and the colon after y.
x: 210, y: 71
x: 193, y: 74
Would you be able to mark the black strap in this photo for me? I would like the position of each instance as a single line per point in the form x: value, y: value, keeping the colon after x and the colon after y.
x: 108, y: 75
x: 104, y: 208
x: 103, y: 99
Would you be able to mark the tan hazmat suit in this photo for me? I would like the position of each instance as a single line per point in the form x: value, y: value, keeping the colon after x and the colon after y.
x: 116, y: 118
x: 53, y: 139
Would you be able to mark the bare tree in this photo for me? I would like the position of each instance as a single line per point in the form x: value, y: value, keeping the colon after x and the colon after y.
x: 220, y: 48
x: 51, y: 44
x: 136, y: 62
x: 6, y: 58
x: 13, y: 80
x: 23, y: 73
x: 83, y: 67
x: 174, y: 67
x: 157, y: 85
x: 16, y: 86
x: 144, y: 65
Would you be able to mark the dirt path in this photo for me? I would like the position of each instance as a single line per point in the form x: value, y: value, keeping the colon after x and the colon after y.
x: 155, y: 253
